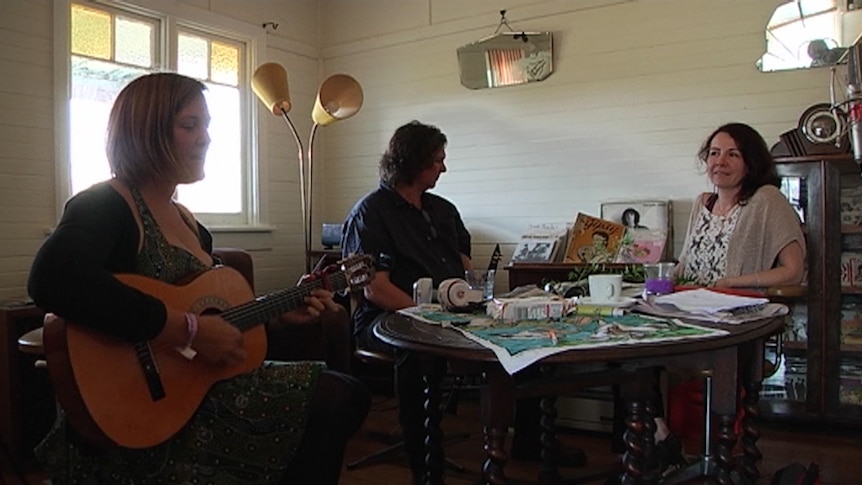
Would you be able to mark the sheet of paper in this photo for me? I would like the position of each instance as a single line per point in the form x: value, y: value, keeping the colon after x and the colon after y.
x: 670, y: 311
x: 706, y: 301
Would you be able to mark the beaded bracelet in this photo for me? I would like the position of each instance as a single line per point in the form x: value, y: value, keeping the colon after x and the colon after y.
x: 192, y: 326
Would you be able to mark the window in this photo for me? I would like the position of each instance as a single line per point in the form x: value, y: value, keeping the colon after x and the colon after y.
x: 110, y: 46
x: 807, y: 33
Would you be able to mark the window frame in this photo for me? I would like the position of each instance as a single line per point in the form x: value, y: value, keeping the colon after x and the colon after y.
x: 175, y: 18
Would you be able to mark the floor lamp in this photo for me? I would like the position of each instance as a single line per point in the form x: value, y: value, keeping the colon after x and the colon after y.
x: 339, y: 98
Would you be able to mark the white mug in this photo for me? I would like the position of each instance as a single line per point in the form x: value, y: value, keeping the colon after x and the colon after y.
x: 605, y: 287
x: 422, y: 290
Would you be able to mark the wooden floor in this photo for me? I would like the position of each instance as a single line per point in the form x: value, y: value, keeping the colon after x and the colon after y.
x: 838, y: 452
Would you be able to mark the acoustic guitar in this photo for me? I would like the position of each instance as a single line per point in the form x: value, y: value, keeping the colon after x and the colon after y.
x: 116, y: 393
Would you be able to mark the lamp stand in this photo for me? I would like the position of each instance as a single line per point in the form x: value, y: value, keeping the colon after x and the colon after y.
x: 309, y: 200
x: 304, y: 190
x: 339, y: 97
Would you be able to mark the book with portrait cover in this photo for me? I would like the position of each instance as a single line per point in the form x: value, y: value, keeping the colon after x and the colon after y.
x: 649, y: 226
x: 594, y: 240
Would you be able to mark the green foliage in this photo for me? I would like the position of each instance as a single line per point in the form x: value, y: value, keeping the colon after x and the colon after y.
x: 632, y: 273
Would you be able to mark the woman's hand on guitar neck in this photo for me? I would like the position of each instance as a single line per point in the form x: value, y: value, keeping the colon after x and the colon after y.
x: 218, y: 341
x: 317, y: 302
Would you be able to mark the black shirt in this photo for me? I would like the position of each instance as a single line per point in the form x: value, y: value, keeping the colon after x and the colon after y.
x: 408, y: 242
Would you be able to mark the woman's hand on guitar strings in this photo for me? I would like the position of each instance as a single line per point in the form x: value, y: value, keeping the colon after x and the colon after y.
x: 218, y: 341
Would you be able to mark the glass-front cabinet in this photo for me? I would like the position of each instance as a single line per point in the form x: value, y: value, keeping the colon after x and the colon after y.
x: 820, y: 374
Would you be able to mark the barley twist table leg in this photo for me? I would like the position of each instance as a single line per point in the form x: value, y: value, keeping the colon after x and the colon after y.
x: 648, y: 442
x: 433, y: 435
x: 724, y: 449
x: 633, y: 459
x: 751, y: 433
x: 549, y: 474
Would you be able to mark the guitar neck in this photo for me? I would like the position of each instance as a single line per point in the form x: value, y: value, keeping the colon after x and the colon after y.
x: 271, y: 305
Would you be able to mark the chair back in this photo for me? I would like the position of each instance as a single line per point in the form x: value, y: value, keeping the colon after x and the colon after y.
x: 238, y: 259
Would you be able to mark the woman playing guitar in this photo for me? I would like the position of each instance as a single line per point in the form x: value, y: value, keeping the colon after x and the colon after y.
x: 130, y: 270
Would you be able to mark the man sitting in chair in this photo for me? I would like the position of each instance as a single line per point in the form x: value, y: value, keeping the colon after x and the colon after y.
x: 412, y: 234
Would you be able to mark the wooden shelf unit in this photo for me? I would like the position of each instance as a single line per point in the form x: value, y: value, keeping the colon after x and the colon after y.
x: 823, y: 354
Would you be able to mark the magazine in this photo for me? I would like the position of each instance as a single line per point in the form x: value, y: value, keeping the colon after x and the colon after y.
x: 541, y: 243
x: 594, y: 240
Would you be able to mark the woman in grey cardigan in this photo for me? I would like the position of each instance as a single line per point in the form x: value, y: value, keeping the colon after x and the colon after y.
x: 745, y: 233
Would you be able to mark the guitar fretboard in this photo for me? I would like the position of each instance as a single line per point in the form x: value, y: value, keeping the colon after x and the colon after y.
x: 269, y: 306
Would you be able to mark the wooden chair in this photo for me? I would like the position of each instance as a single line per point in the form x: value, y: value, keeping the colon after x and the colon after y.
x: 394, y: 444
x: 383, y: 362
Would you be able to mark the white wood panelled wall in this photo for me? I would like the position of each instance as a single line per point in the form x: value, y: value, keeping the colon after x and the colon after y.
x: 638, y: 85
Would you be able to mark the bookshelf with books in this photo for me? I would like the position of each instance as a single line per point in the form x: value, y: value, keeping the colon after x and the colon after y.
x: 588, y: 245
x: 821, y: 375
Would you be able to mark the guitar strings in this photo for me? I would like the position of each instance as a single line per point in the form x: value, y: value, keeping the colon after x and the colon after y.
x: 269, y: 306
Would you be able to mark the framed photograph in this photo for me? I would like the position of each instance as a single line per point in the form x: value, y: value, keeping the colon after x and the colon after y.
x: 643, y: 216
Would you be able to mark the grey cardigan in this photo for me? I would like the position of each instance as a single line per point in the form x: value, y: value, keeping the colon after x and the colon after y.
x: 767, y: 223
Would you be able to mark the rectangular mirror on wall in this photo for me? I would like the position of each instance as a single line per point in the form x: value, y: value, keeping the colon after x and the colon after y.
x: 506, y: 59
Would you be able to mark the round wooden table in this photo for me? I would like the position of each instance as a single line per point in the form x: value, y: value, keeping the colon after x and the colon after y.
x: 734, y: 360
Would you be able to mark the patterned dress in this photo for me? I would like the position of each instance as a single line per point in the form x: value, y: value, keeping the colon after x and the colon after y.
x: 245, y: 431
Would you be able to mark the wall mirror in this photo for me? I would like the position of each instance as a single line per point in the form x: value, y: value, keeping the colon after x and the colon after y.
x: 506, y: 59
x: 810, y: 33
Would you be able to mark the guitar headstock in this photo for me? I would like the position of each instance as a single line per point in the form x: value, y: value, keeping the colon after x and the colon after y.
x: 358, y: 270
x: 496, y: 256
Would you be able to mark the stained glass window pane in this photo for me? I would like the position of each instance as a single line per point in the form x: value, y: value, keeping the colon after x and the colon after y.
x: 134, y: 42
x: 225, y: 64
x: 193, y: 56
x: 91, y: 32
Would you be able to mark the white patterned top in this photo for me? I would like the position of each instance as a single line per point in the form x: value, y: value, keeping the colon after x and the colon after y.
x: 710, y: 238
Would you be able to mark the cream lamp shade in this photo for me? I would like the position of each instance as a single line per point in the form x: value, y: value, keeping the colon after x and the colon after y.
x: 339, y: 98
x: 269, y: 84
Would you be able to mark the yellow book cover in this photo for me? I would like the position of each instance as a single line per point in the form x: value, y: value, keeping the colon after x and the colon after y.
x: 594, y: 240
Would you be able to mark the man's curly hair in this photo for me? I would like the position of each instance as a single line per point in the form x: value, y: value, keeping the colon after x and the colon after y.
x: 411, y: 150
